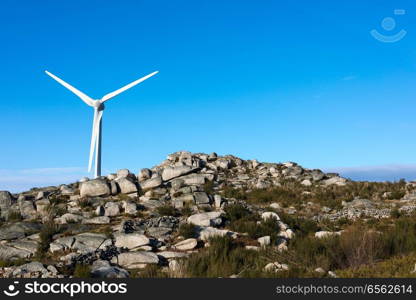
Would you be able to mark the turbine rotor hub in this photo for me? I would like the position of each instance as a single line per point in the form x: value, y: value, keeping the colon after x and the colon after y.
x: 98, y: 105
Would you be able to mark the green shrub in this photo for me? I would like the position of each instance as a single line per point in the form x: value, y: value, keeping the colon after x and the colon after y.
x: 9, y: 263
x: 167, y: 210
x: 55, y: 199
x: 235, y: 212
x: 82, y: 271
x: 395, y: 213
x: 209, y: 187
x: 84, y: 203
x: 14, y: 216
x: 188, y: 231
x: 186, y: 210
x: 150, y: 271
x: 222, y: 258
x: 48, y: 230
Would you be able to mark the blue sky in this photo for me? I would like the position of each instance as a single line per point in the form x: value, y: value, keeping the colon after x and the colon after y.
x: 283, y: 80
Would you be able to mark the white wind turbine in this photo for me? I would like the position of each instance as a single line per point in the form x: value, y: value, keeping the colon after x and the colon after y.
x: 98, y: 106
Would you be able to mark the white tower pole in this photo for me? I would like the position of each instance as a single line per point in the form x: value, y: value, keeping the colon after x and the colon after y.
x: 97, y: 172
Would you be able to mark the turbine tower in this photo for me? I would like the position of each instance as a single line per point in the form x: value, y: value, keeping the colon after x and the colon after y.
x: 98, y: 106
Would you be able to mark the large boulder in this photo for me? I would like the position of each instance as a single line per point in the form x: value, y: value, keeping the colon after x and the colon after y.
x: 151, y: 183
x: 95, y: 188
x: 212, y: 218
x: 173, y: 172
x: 126, y: 185
x: 18, y: 230
x: 137, y: 259
x: 6, y: 200
x: 130, y: 240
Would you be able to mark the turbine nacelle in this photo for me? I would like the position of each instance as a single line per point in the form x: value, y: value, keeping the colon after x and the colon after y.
x: 98, y: 105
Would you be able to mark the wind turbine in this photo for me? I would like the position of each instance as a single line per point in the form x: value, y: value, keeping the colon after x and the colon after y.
x: 98, y: 106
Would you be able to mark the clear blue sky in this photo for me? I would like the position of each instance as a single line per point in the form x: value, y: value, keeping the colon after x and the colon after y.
x: 273, y: 80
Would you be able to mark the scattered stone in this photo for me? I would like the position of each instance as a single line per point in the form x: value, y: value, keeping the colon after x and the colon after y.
x: 206, y: 219
x: 130, y: 240
x: 185, y: 245
x: 137, y: 259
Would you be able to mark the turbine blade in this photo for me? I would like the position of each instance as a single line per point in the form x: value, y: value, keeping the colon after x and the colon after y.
x: 80, y: 94
x: 93, y: 141
x: 130, y: 85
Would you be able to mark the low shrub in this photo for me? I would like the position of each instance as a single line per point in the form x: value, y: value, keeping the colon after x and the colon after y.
x: 82, y: 271
x: 48, y: 230
x: 14, y: 216
x: 188, y: 231
x: 167, y: 210
x: 235, y: 212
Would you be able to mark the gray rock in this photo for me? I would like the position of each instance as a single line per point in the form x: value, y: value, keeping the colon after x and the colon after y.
x: 130, y: 208
x: 113, y: 188
x: 17, y: 230
x: 27, y: 209
x: 172, y: 172
x: 217, y: 201
x: 137, y: 259
x: 270, y: 214
x: 123, y: 173
x: 126, y: 185
x: 41, y: 206
x: 111, y: 209
x: 130, y: 240
x: 208, y: 232
x: 264, y: 240
x: 100, y: 211
x: 177, y: 184
x: 206, y: 219
x: 103, y: 269
x: 201, y: 198
x: 151, y: 183
x: 84, y: 179
x: 94, y: 188
x: 172, y: 254
x: 69, y: 218
x: 6, y: 201
x: 335, y: 180
x: 66, y: 190
x: 97, y: 220
x: 187, y: 244
x: 144, y: 174
x: 194, y: 179
x: 159, y: 232
x: 88, y: 242
x: 32, y: 267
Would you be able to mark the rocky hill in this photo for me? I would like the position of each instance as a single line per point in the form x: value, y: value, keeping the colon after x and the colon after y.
x: 204, y: 215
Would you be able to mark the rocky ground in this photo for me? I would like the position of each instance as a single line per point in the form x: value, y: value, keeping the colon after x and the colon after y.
x: 200, y: 215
